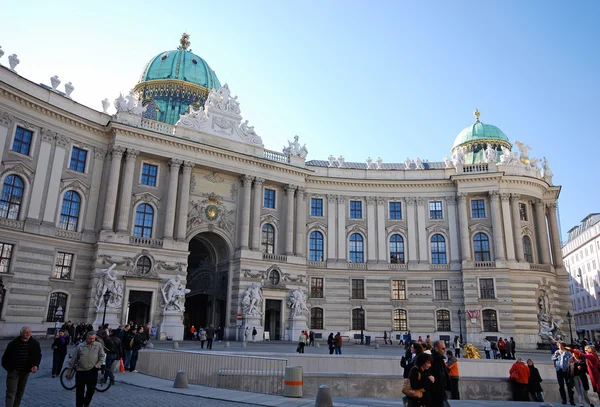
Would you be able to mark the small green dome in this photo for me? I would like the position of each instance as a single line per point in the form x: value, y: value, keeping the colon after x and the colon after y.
x: 480, y: 132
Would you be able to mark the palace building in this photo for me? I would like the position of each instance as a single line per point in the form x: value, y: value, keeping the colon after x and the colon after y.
x: 178, y: 183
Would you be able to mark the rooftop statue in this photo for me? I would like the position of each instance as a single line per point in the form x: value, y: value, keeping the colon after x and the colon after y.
x: 340, y: 161
x: 55, y: 82
x: 448, y: 162
x: 105, y: 105
x: 331, y: 160
x: 69, y: 88
x: 419, y: 164
x: 295, y: 149
x: 369, y: 162
x: 13, y: 61
x: 458, y: 157
x: 490, y: 154
x: 509, y: 157
x: 524, y: 149
x: 407, y: 163
x: 129, y: 104
x: 1, y: 52
x: 546, y: 171
x: 379, y: 161
x: 249, y: 130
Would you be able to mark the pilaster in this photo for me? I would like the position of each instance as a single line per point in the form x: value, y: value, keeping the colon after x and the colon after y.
x: 382, y: 243
x: 256, y: 205
x: 463, y: 223
x: 37, y: 189
x: 289, y: 226
x: 126, y: 188
x: 411, y: 222
x: 300, y: 222
x: 516, y: 222
x: 112, y: 187
x: 184, y: 199
x: 174, y: 166
x: 554, y: 235
x: 497, y: 225
x: 341, y: 232
x: 92, y: 204
x: 453, y: 226
x: 508, y: 230
x: 331, y: 227
x: 542, y: 231
x: 58, y: 165
x: 245, y: 209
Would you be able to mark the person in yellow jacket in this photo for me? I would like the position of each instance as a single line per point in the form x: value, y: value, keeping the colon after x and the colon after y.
x: 452, y: 364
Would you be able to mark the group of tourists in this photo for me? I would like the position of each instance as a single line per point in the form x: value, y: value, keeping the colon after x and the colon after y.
x: 502, y: 349
x: 525, y: 380
x: 573, y: 368
x: 205, y: 335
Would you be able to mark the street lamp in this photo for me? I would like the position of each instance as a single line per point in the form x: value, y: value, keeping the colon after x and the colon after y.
x: 569, y: 317
x: 2, y: 293
x: 459, y: 313
x: 106, y: 297
x: 362, y: 324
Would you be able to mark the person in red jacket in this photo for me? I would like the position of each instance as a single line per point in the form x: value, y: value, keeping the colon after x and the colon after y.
x: 502, y: 348
x: 519, y: 376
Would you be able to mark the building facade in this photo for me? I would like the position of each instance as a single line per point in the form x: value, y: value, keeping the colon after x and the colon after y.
x: 196, y: 223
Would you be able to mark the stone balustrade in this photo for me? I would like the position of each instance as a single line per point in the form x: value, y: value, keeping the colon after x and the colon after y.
x: 439, y: 267
x: 68, y: 234
x: 317, y: 264
x: 485, y: 264
x: 397, y: 266
x: 540, y: 267
x: 158, y: 127
x: 276, y: 156
x: 282, y: 258
x: 356, y: 266
x: 142, y: 241
x: 12, y: 223
x: 470, y: 168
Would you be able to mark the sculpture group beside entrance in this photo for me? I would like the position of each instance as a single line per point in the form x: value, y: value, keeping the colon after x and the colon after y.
x: 173, y: 293
x: 296, y: 301
x: 252, y: 301
x: 109, y: 282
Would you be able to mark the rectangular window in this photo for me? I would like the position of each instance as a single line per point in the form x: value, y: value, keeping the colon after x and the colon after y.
x: 435, y: 210
x: 477, y: 208
x: 395, y: 210
x: 486, y: 288
x: 78, y: 159
x: 441, y: 289
x: 523, y: 212
x: 358, y: 289
x: 356, y: 209
x: 316, y: 207
x: 6, y: 251
x: 398, y: 290
x: 63, y: 266
x: 269, y: 201
x: 316, y: 287
x: 400, y: 320
x: 149, y: 173
x: 22, y: 142
x: 316, y: 318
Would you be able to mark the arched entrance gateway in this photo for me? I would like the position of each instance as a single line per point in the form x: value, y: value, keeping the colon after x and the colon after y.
x: 208, y: 269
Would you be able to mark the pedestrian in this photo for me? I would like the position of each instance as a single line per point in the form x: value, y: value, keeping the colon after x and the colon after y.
x: 385, y: 337
x: 126, y: 337
x: 577, y: 371
x: 593, y: 365
x: 337, y: 342
x: 420, y: 340
x: 59, y: 349
x: 420, y: 378
x: 428, y: 341
x: 219, y: 334
x: 136, y: 345
x: 254, y: 334
x: 513, y: 347
x: 311, y: 338
x: 457, y: 346
x: 330, y: 344
x: 561, y: 364
x: 486, y: 347
x: 112, y: 354
x: 202, y: 337
x: 210, y: 335
x: 246, y: 334
x: 502, y: 348
x: 453, y: 374
x: 508, y: 346
x: 87, y: 360
x: 494, y: 348
x: 440, y: 372
x: 301, y: 342
x: 519, y: 376
x: 193, y: 333
x: 21, y: 357
x: 534, y: 384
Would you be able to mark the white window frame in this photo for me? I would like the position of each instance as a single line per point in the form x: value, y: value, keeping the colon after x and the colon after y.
x: 479, y: 288
x: 89, y: 154
x: 433, y: 289
x: 73, y: 264
x: 265, y: 187
x: 392, y: 289
x: 34, y: 138
x: 157, y: 165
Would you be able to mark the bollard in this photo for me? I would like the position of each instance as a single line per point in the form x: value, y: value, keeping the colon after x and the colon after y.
x: 181, y: 381
x: 376, y: 346
x: 292, y: 385
x: 324, y: 397
x: 227, y: 344
x: 175, y: 345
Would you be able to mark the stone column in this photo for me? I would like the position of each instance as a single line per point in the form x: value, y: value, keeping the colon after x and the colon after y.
x: 341, y: 232
x: 516, y: 223
x: 542, y: 231
x: 289, y: 227
x: 184, y: 199
x: 125, y: 201
x: 554, y: 235
x: 508, y: 230
x: 382, y: 243
x: 41, y: 170
x: 371, y: 233
x: 57, y: 168
x: 174, y: 166
x: 112, y: 188
x: 423, y: 257
x: 92, y: 204
x: 411, y: 223
x: 300, y: 222
x: 245, y: 209
x: 256, y: 206
x: 331, y: 231
x: 463, y: 224
x: 453, y: 226
x: 497, y: 225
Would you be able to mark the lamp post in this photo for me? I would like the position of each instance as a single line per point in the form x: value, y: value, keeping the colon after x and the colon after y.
x: 2, y: 293
x: 362, y: 325
x: 106, y: 297
x: 459, y: 313
x: 569, y: 317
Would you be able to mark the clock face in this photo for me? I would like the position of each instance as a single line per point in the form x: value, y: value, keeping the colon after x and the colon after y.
x: 212, y: 212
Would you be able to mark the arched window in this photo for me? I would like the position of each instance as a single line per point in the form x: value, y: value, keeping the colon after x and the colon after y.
x: 400, y: 320
x: 268, y: 238
x: 12, y: 194
x: 357, y: 251
x: 69, y: 214
x: 57, y: 307
x: 358, y: 319
x: 316, y: 246
x: 316, y: 318
x: 144, y: 265
x: 438, y: 249
x: 481, y: 246
x: 396, y: 249
x: 144, y: 217
x: 490, y: 320
x: 527, y: 251
x: 442, y: 317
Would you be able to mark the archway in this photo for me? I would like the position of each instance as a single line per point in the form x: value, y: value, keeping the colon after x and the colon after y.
x: 208, y: 268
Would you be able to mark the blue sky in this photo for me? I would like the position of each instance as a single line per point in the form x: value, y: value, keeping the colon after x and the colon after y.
x: 389, y: 78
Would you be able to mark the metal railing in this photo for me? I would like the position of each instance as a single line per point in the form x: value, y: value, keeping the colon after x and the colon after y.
x: 224, y: 370
x: 276, y: 156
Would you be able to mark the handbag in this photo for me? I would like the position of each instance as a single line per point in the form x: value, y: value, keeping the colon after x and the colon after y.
x: 412, y: 393
x: 121, y: 366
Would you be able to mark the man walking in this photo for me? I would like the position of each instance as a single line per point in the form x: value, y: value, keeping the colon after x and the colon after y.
x: 210, y: 335
x: 440, y: 372
x: 88, y: 358
x: 136, y: 345
x: 486, y: 347
x: 337, y: 343
x: 452, y: 365
x: 561, y: 364
x: 21, y: 357
x: 254, y: 334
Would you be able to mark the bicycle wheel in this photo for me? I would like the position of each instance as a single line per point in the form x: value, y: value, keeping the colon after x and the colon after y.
x: 103, y: 383
x: 68, y: 384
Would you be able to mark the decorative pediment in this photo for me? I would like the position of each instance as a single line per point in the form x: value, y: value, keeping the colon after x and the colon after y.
x: 269, y: 218
x: 356, y: 228
x: 397, y: 228
x: 19, y: 168
x: 526, y: 230
x: 147, y: 197
x: 437, y: 228
x: 316, y: 225
x: 213, y: 212
x: 480, y: 227
x: 141, y: 268
x: 75, y: 184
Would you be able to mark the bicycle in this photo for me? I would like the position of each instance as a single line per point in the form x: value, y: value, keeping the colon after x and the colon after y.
x: 103, y: 383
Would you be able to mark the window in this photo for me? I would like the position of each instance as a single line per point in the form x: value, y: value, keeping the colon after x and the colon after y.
x: 6, y: 251
x: 57, y: 307
x: 486, y: 288
x: 69, y: 213
x: 144, y: 265
x: 395, y: 210
x: 316, y: 318
x: 78, y: 159
x: 356, y: 249
x: 149, y: 173
x: 316, y: 287
x: 144, y: 217
x: 396, y: 249
x: 12, y: 194
x: 22, y: 142
x: 441, y: 289
x: 435, y: 210
x: 63, y: 266
x: 316, y: 247
x: 355, y: 209
x: 438, y: 249
x: 400, y: 320
x: 269, y: 199
x: 316, y: 207
x: 527, y: 251
x: 490, y: 320
x: 398, y: 290
x: 358, y: 319
x: 477, y: 208
x: 358, y: 289
x: 481, y: 246
x: 274, y: 278
x: 523, y: 211
x: 443, y: 320
x: 268, y: 238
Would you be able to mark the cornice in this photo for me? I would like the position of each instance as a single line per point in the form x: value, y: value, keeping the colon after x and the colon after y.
x: 379, y: 183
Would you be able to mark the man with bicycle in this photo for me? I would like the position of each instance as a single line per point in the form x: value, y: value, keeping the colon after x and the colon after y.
x: 88, y: 358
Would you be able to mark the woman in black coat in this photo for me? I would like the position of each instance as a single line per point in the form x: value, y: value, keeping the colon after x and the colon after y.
x: 533, y: 385
x: 419, y: 378
x: 59, y: 346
